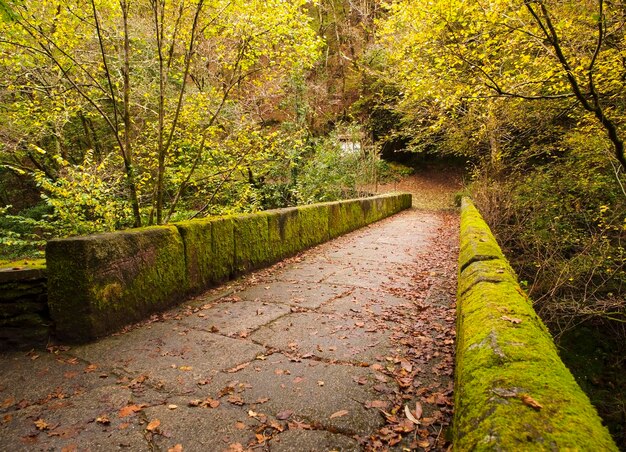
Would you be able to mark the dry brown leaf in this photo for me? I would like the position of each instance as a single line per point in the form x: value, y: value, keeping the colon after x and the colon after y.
x: 41, y: 424
x: 284, y: 415
x: 339, y: 413
x: 238, y: 368
x: 529, y: 401
x: 511, y: 319
x: 176, y: 448
x: 153, y: 425
x: 104, y: 420
x: 296, y: 425
x: 129, y: 410
x: 235, y: 400
x: 240, y: 425
x: 410, y: 416
x: 376, y: 404
x: 418, y: 410
x: 185, y: 368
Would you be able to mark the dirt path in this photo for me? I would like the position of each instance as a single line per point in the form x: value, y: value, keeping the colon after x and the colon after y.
x: 343, y: 347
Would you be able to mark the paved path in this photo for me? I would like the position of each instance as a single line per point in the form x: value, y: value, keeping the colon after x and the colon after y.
x: 324, y: 351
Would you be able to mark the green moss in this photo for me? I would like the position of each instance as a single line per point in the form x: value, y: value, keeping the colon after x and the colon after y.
x: 505, y: 353
x: 251, y: 241
x: 38, y: 264
x: 314, y: 224
x: 209, y: 251
x: 344, y: 217
x: 284, y: 230
x: 97, y: 284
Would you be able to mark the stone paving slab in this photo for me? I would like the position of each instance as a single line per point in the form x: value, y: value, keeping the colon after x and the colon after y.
x: 313, y: 441
x: 293, y: 293
x: 235, y: 318
x: 326, y: 336
x: 312, y: 391
x: 169, y: 354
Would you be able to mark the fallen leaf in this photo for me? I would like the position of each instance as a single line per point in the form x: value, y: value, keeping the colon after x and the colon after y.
x: 528, y: 400
x: 238, y: 368
x: 511, y: 319
x: 261, y: 438
x: 360, y: 380
x: 235, y: 447
x: 41, y: 424
x: 129, y: 410
x: 90, y: 368
x: 284, y: 415
x: 418, y: 410
x: 407, y: 366
x: 262, y: 400
x: 410, y: 416
x: 376, y: 404
x: 176, y: 448
x: 104, y: 420
x: 339, y: 413
x: 185, y: 368
x: 70, y: 448
x: 172, y: 407
x: 153, y: 425
x: 298, y: 380
x: 235, y: 400
x: 240, y: 425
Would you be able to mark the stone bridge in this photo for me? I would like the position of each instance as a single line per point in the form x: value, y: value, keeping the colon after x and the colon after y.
x: 346, y: 346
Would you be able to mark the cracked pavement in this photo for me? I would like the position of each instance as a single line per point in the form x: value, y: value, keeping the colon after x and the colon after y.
x: 310, y: 354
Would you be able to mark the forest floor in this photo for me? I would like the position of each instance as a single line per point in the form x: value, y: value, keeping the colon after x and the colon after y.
x: 347, y: 346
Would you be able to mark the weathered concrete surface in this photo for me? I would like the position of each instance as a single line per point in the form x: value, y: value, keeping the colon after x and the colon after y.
x: 305, y: 356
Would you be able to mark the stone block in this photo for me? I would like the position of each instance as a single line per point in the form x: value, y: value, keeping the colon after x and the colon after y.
x: 99, y: 283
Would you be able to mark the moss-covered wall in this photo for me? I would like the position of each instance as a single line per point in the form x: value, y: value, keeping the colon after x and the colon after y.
x: 100, y: 283
x: 512, y: 391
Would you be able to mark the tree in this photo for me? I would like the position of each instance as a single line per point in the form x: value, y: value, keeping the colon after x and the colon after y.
x: 152, y: 87
x: 452, y: 52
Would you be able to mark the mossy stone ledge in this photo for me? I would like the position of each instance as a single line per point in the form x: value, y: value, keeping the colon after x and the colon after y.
x: 512, y: 391
x: 99, y: 283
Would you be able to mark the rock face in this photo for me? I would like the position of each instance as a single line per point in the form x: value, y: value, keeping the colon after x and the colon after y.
x: 512, y: 391
x: 24, y: 317
x: 99, y: 283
